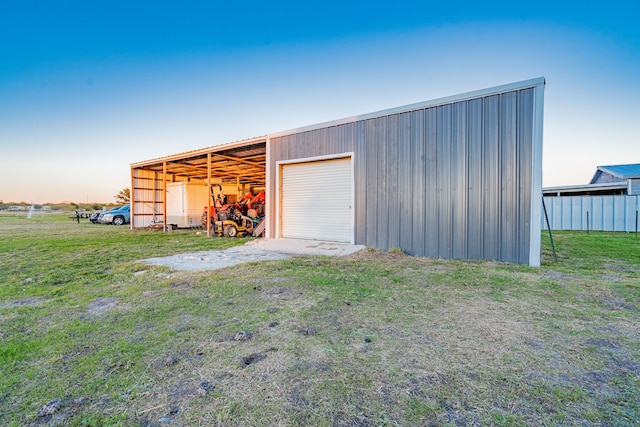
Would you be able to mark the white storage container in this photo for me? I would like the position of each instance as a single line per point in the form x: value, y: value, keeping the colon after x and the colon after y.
x: 185, y: 203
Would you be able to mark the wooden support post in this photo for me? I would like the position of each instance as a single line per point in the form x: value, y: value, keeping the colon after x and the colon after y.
x: 164, y: 196
x: 132, y: 200
x: 209, y: 202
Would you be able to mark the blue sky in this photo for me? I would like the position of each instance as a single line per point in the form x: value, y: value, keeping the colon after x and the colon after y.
x: 86, y: 88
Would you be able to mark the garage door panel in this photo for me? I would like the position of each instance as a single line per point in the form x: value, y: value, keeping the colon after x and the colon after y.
x: 317, y: 200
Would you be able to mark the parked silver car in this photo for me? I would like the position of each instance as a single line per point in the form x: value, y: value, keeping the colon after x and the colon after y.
x: 116, y: 216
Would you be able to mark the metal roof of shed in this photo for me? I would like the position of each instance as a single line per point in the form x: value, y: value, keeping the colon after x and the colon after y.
x: 629, y: 171
x: 539, y: 81
x: 241, y: 160
x: 246, y: 159
x: 588, y: 189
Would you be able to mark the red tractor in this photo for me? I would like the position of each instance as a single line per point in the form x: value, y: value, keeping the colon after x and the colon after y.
x: 241, y: 218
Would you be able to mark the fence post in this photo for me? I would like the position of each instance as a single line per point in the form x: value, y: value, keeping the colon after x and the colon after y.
x: 546, y: 217
x: 587, y: 222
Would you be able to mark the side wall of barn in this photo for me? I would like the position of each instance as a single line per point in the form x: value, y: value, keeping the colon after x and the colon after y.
x: 456, y: 178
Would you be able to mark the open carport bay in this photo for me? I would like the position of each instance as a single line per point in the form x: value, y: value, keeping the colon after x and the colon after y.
x: 175, y: 190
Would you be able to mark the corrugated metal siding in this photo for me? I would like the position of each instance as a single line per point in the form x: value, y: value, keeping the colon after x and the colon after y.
x: 405, y: 205
x: 371, y: 214
x: 605, y: 178
x: 475, y: 171
x: 430, y: 236
x: 147, y: 197
x: 417, y: 180
x: 381, y: 233
x: 604, y: 213
x: 459, y: 172
x: 490, y: 167
x: 633, y: 188
x: 451, y: 181
x: 444, y: 172
x: 358, y: 141
x: 509, y: 193
x: 393, y: 188
x: 525, y: 131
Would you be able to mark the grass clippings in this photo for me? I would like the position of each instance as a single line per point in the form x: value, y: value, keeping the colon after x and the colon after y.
x: 90, y: 337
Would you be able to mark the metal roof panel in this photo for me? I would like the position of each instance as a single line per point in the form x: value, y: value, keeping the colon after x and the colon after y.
x: 629, y: 171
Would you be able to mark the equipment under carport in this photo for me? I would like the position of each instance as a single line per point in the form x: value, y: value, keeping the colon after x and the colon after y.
x: 238, y: 219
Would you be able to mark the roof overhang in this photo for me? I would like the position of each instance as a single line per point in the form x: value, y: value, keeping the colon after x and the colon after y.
x: 241, y: 162
x: 622, y: 172
x: 245, y: 161
x: 589, y: 189
x: 531, y: 83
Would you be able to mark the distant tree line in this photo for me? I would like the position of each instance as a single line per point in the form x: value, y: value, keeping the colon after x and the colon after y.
x: 122, y: 198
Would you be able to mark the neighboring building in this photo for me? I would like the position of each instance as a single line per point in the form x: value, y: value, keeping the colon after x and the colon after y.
x: 610, y: 202
x: 608, y: 180
x: 628, y: 175
x: 458, y: 177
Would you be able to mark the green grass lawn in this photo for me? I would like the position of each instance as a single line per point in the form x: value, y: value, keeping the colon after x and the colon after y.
x: 90, y: 337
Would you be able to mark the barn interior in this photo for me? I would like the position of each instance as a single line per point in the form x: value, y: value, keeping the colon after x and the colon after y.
x: 174, y: 191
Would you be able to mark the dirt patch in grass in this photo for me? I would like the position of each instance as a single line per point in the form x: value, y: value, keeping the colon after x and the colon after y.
x: 23, y: 302
x: 281, y: 293
x: 99, y: 306
x: 480, y: 330
x: 622, y: 267
x: 57, y: 412
x: 255, y: 357
x: 617, y: 303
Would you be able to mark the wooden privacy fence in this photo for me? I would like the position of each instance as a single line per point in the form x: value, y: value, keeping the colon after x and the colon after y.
x: 599, y: 213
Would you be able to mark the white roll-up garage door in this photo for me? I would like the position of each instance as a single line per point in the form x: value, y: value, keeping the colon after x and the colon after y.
x: 317, y: 200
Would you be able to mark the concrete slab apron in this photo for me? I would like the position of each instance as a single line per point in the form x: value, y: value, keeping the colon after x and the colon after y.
x: 256, y: 250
